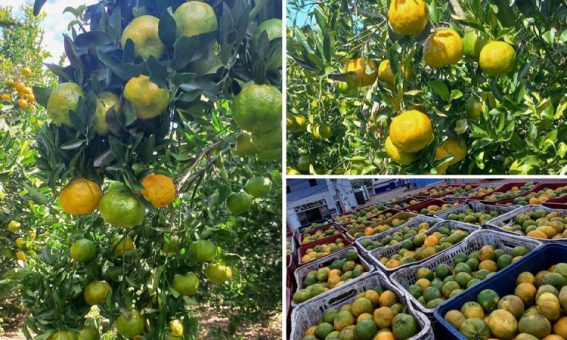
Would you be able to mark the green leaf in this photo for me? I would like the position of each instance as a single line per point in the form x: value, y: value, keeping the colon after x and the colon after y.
x: 440, y: 89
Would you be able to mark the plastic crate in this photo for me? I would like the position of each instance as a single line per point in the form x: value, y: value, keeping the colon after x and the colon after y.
x: 331, y: 239
x: 406, y: 200
x: 401, y: 215
x: 417, y: 208
x: 504, y: 283
x: 556, y: 203
x: 302, y: 229
x: 407, y: 276
x: 427, y: 196
x: 346, y: 226
x: 301, y: 272
x: 497, y: 222
x: 291, y: 242
x: 311, y: 232
x: 308, y: 314
x: 505, y: 188
x: 356, y: 211
x: 476, y: 206
x: 475, y: 186
x: 376, y: 254
x: 536, y: 188
x: 413, y: 223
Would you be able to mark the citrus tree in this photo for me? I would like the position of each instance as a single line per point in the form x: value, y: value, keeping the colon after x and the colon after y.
x: 159, y: 172
x: 426, y: 87
x: 21, y: 56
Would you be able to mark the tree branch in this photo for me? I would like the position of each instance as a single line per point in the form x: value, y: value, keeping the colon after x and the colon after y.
x: 458, y: 9
x: 198, y: 159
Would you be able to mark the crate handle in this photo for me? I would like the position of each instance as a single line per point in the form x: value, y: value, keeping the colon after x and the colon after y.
x: 342, y: 298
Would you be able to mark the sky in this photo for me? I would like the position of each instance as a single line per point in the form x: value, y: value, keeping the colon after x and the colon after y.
x: 54, y: 25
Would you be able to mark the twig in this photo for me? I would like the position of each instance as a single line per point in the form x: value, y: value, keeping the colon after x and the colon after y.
x: 198, y: 159
x: 458, y: 9
x: 367, y: 13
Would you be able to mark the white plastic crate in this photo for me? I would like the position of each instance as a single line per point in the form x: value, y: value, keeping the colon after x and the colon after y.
x: 310, y: 313
x: 476, y: 206
x: 507, y: 218
x: 407, y: 276
x: 376, y: 254
x: 413, y: 223
x: 301, y: 273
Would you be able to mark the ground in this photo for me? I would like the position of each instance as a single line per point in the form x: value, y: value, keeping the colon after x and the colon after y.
x: 211, y: 324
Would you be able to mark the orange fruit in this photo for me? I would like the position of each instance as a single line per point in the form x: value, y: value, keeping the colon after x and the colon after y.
x: 20, y: 87
x: 121, y: 208
x: 442, y: 48
x: 26, y: 72
x: 218, y: 273
x: 411, y: 131
x: 82, y: 250
x: 497, y: 58
x: 186, y: 284
x: 130, y: 325
x: 365, y: 71
x: 195, y: 18
x: 22, y: 103
x: 96, y: 292
x: 159, y: 190
x: 408, y: 17
x: 80, y: 197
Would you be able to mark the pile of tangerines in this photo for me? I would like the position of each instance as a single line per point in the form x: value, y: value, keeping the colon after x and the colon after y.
x: 20, y: 94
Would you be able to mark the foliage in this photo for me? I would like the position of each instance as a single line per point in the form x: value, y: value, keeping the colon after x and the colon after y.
x: 192, y: 142
x: 20, y: 46
x: 524, y: 133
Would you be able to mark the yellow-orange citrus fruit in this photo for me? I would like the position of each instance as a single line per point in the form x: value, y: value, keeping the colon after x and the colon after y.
x: 31, y: 98
x: 64, y: 335
x: 439, y: 154
x: 22, y: 103
x: 121, y: 208
x: 474, y: 42
x: 80, y: 197
x: 194, y: 18
x: 454, y: 148
x: 148, y: 98
x: 411, y: 131
x: 497, y: 58
x: 96, y: 292
x: 130, y: 326
x: 442, y: 48
x: 408, y: 17
x: 386, y: 75
x: 122, y: 244
x: 143, y: 31
x: 365, y: 71
x: 396, y: 155
x: 244, y: 146
x: 176, y: 327
x: 218, y: 273
x: 159, y: 190
x: 20, y: 87
x: 5, y: 97
x: 473, y: 108
x: 105, y: 102
x: 63, y: 99
x: 89, y: 333
x: 258, y: 108
x: 26, y: 72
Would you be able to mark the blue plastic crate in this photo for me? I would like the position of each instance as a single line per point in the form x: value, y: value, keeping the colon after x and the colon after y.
x: 503, y: 283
